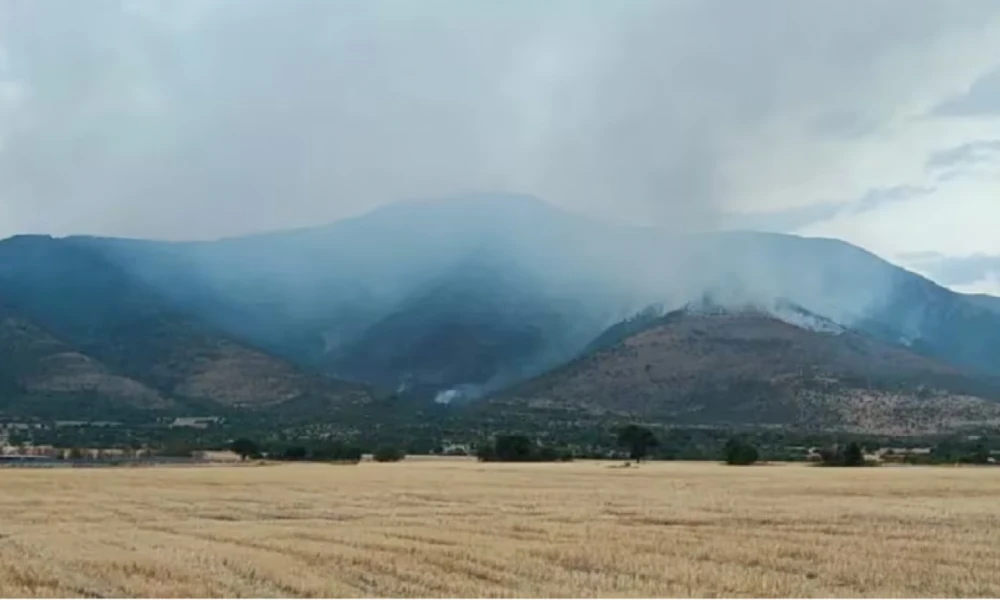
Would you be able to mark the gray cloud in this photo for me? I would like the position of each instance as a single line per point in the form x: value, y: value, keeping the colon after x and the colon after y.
x: 964, y: 155
x: 955, y: 163
x: 982, y: 98
x: 877, y: 198
x: 842, y: 124
x: 798, y: 218
x: 199, y: 118
x: 781, y: 221
x: 955, y: 270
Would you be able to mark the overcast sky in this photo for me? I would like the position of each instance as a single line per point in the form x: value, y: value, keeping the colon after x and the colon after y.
x: 876, y: 122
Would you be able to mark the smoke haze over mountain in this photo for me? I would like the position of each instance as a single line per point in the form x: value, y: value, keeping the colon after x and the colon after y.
x: 191, y: 119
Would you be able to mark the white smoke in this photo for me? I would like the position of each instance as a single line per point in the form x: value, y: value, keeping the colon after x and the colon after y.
x: 446, y: 396
x: 465, y: 391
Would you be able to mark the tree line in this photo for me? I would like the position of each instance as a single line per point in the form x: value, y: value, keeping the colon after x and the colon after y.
x: 515, y: 441
x: 329, y: 451
x: 637, y: 443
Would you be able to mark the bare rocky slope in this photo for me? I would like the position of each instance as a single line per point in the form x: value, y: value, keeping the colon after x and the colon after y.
x: 39, y: 373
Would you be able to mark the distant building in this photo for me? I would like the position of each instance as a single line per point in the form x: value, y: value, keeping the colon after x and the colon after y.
x: 456, y: 450
x: 28, y: 450
x: 6, y: 459
x: 196, y: 422
x: 900, y: 454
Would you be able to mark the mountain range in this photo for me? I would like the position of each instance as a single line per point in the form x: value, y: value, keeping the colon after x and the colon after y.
x: 731, y: 366
x: 492, y: 297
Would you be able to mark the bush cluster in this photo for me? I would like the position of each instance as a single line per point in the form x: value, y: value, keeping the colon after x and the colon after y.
x: 740, y: 452
x: 329, y: 451
x: 388, y: 454
x: 851, y: 455
x: 520, y: 448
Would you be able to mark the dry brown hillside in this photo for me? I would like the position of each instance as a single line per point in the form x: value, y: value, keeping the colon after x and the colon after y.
x: 109, y: 314
x: 154, y: 363
x: 235, y: 375
x: 34, y: 363
x: 751, y: 368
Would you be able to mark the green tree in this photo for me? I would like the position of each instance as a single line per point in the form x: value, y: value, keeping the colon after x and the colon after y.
x: 850, y: 455
x: 352, y: 454
x: 245, y: 448
x: 520, y: 448
x: 548, y: 454
x: 637, y: 440
x: 486, y: 451
x: 739, y: 452
x: 296, y: 452
x: 980, y: 455
x: 513, y: 448
x: 854, y: 456
x: 333, y: 451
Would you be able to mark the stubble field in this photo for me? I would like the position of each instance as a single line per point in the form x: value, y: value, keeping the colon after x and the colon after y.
x: 458, y: 528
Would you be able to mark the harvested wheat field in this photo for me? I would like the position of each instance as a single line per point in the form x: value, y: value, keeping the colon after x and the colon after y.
x: 459, y: 528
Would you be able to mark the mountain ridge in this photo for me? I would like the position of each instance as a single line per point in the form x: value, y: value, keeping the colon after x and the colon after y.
x: 122, y: 325
x: 451, y: 297
x: 721, y: 367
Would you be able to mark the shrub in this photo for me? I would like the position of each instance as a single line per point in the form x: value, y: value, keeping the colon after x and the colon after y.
x: 388, y: 454
x: 637, y: 440
x: 294, y: 453
x: 739, y: 452
x: 519, y: 448
x: 980, y: 455
x: 485, y: 452
x: 548, y: 454
x: 245, y: 448
x: 336, y: 452
x: 513, y: 448
x: 854, y: 456
x: 851, y: 455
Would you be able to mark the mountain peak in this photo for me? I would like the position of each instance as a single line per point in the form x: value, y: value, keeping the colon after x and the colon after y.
x: 781, y: 309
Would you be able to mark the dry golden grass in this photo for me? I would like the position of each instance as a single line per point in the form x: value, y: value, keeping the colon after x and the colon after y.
x: 458, y: 528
